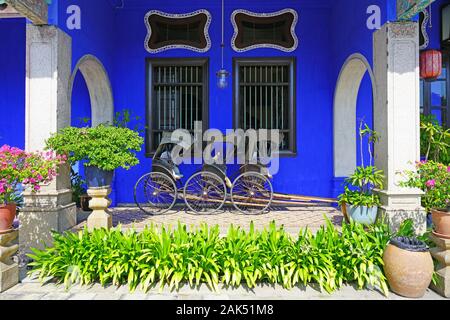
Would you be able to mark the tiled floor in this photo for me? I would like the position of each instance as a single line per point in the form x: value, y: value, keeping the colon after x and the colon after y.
x: 293, y: 219
x: 50, y: 291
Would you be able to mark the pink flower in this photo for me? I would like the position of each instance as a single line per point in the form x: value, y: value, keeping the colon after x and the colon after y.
x: 430, y: 183
x: 37, y: 188
x: 448, y: 169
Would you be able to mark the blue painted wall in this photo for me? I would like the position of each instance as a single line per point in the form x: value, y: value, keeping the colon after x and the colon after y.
x: 319, y: 58
x: 310, y: 171
x: 329, y: 31
x: 12, y: 82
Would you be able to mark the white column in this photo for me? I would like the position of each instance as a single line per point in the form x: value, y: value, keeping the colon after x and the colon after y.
x: 397, y: 118
x: 48, y: 69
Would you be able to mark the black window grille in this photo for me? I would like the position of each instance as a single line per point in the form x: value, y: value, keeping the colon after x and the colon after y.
x: 264, y: 98
x: 178, y: 97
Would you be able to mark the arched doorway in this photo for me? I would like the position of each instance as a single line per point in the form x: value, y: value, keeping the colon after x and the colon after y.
x: 99, y: 86
x: 345, y: 100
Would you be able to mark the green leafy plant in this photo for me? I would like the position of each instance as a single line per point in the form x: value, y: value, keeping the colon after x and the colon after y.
x: 105, y: 147
x: 434, y: 140
x: 358, y: 189
x: 434, y: 179
x: 125, y: 118
x: 161, y: 256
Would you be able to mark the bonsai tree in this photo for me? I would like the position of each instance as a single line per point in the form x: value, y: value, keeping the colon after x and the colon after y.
x: 358, y: 189
x: 105, y: 147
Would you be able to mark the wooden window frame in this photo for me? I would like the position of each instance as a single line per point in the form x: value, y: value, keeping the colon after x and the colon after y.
x: 166, y: 62
x: 441, y: 11
x: 427, y: 107
x: 292, y: 65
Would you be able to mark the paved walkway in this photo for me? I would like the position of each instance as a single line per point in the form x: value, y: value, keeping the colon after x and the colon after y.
x: 293, y: 219
x: 34, y: 291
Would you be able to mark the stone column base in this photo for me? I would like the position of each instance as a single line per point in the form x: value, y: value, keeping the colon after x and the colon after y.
x: 442, y: 254
x: 100, y: 217
x: 9, y: 270
x: 399, y: 206
x: 395, y: 216
x: 37, y: 224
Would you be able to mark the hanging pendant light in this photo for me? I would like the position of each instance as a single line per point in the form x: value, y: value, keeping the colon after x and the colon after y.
x: 222, y: 74
x: 430, y: 64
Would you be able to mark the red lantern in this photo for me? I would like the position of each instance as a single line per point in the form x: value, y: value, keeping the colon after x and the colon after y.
x: 430, y: 64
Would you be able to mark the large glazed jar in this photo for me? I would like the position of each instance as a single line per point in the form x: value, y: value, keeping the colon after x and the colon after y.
x: 408, y: 266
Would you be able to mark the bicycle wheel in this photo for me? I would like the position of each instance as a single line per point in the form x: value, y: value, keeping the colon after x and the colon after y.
x: 155, y: 193
x: 252, y: 193
x: 205, y: 193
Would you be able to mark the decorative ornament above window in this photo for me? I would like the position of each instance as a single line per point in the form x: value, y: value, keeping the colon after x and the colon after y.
x: 188, y: 31
x: 424, y: 41
x: 274, y: 30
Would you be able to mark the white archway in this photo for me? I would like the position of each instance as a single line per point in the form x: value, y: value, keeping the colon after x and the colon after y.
x: 345, y: 99
x: 99, y: 86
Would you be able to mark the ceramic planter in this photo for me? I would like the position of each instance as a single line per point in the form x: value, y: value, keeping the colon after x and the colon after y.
x: 441, y: 221
x: 7, y: 215
x: 408, y: 267
x: 98, y: 178
x: 363, y: 215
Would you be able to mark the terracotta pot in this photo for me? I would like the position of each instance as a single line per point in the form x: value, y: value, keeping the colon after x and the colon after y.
x: 441, y: 221
x: 7, y: 215
x: 408, y: 268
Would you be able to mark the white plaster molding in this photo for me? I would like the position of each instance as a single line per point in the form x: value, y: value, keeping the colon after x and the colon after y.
x: 99, y: 86
x: 344, y: 114
x: 423, y: 29
x: 264, y: 15
x: 397, y: 119
x: 48, y: 70
x: 49, y: 56
x: 178, y: 16
x: 396, y: 65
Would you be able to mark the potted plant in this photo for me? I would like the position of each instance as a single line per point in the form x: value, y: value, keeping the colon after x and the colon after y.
x: 19, y: 170
x: 359, y: 202
x: 408, y: 266
x: 433, y: 179
x: 103, y: 149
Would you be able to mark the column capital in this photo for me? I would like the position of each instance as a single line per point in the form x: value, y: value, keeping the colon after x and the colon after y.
x: 34, y: 10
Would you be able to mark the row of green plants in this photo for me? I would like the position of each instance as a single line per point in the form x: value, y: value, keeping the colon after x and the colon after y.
x: 328, y: 258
